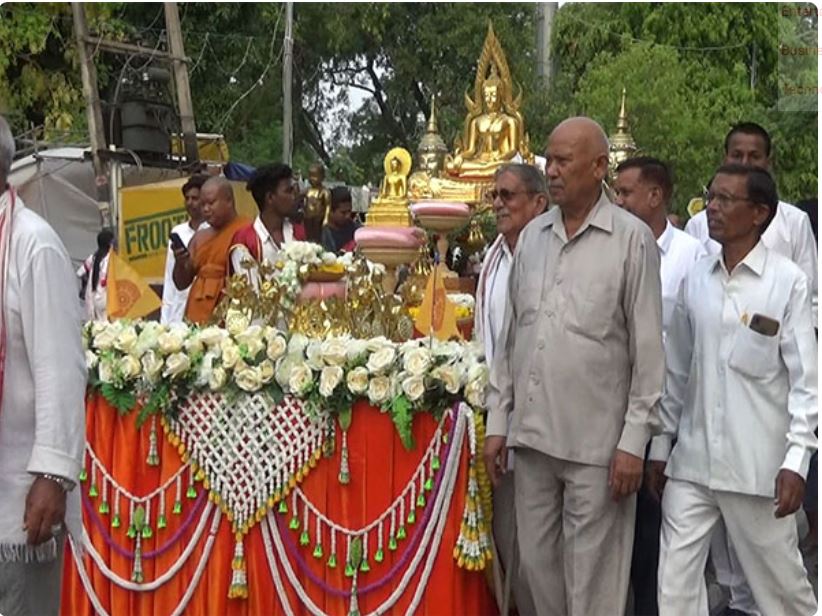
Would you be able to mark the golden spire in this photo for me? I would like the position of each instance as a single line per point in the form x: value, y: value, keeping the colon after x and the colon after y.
x: 622, y: 142
x: 432, y: 141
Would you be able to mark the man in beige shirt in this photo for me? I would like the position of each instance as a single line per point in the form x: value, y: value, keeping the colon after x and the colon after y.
x: 580, y: 368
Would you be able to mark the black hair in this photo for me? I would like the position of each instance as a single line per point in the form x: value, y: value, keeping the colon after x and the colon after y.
x: 749, y: 128
x: 651, y: 170
x: 759, y: 184
x: 339, y: 195
x: 104, y: 241
x: 266, y: 179
x: 195, y: 181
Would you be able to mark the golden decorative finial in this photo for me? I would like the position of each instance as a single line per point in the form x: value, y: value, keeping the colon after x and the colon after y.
x: 431, y: 141
x: 622, y: 142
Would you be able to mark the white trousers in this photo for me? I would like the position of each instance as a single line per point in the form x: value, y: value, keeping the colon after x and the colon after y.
x: 767, y: 547
x: 729, y: 572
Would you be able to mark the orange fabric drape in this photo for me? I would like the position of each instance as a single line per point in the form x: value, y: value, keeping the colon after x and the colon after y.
x: 380, y: 468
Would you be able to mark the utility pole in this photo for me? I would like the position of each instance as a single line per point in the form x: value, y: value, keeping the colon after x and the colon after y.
x: 94, y: 113
x: 288, y: 44
x: 175, y: 40
x: 545, y: 22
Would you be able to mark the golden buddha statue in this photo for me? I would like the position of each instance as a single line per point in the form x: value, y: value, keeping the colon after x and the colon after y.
x: 494, y: 131
x: 622, y: 145
x: 390, y: 208
x: 317, y: 203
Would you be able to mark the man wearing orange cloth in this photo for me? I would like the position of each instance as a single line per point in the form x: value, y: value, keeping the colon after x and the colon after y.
x: 205, y: 264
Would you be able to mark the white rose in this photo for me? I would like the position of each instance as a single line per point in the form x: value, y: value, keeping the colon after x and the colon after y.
x: 297, y: 344
x: 283, y: 369
x: 230, y: 353
x: 129, y: 366
x: 276, y: 348
x: 193, y: 345
x: 355, y: 349
x: 212, y: 336
x: 91, y: 360
x: 381, y: 360
x: 417, y: 361
x: 379, y: 389
x: 176, y: 364
x: 253, y: 332
x: 330, y: 377
x: 248, y: 379
x: 314, y: 355
x: 170, y: 342
x: 98, y: 327
x: 475, y: 394
x: 152, y: 364
x: 253, y: 347
x: 450, y: 377
x: 236, y: 321
x: 106, y: 371
x: 266, y: 370
x: 127, y: 340
x: 147, y: 339
x: 334, y: 351
x: 217, y: 378
x: 375, y: 344
x: 300, y: 379
x: 105, y: 339
x: 357, y: 380
x: 414, y: 387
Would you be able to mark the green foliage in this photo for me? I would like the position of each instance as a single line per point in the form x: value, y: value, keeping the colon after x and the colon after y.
x: 401, y: 411
x: 121, y: 399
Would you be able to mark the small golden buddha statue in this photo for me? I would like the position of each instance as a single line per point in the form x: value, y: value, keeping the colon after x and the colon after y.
x: 390, y: 208
x: 494, y: 131
x: 317, y: 203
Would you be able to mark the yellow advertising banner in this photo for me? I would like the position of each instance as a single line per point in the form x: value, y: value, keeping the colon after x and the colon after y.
x: 149, y: 212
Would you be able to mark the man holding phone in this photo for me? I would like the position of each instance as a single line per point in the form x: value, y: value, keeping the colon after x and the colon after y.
x: 741, y: 402
x: 174, y: 300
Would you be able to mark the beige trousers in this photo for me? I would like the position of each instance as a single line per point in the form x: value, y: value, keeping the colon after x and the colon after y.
x: 574, y: 541
x: 767, y: 548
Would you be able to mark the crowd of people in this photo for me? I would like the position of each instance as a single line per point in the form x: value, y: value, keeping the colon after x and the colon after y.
x: 652, y: 404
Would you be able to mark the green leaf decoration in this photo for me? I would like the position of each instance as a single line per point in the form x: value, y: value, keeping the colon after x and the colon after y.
x: 401, y: 416
x: 158, y: 401
x: 355, y: 556
x: 122, y: 400
x: 344, y: 419
x: 274, y: 393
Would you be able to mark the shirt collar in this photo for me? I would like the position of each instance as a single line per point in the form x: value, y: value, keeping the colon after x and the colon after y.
x: 664, y: 240
x: 601, y: 216
x: 265, y: 236
x: 753, y: 261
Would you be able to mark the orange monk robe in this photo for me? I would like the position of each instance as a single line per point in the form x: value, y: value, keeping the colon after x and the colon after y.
x: 211, y: 264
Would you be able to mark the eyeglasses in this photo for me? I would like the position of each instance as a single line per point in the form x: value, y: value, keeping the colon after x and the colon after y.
x: 722, y: 199
x: 507, y: 195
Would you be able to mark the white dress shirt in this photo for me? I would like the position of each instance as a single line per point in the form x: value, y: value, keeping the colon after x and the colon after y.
x: 95, y: 301
x: 495, y: 295
x: 678, y: 252
x: 270, y: 248
x: 174, y: 300
x: 741, y: 404
x: 790, y: 234
x: 42, y: 418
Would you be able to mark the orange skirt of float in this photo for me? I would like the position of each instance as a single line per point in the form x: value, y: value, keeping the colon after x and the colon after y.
x: 380, y: 467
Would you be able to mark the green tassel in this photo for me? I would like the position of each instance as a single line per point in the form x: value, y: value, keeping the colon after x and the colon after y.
x: 364, y: 566
x: 412, y: 517
x: 349, y: 570
x: 137, y: 577
x: 132, y: 531
x: 318, y: 551
x: 392, y: 543
x: 294, y: 524
x: 429, y: 484
x: 191, y: 492
x: 161, y: 521
x: 83, y: 475
x: 344, y: 478
x: 103, y: 507
x: 147, y: 533
x: 178, y: 508
x: 421, y: 500
x: 304, y: 538
x: 435, y: 463
x: 92, y: 491
x: 332, y: 561
x: 379, y: 556
x: 115, y: 521
x: 283, y: 508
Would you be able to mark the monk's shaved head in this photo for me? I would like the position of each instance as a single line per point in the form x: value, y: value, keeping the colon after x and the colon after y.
x: 576, y: 162
x: 217, y: 198
x: 222, y: 186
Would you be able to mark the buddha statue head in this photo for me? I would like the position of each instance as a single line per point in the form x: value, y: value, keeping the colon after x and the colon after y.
x: 491, y: 91
x: 316, y: 175
x: 432, y: 149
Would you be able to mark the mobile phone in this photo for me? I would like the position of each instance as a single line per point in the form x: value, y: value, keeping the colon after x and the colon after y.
x: 176, y: 242
x: 764, y: 325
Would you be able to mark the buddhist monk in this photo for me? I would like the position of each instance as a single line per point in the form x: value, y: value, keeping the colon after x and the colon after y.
x: 205, y: 264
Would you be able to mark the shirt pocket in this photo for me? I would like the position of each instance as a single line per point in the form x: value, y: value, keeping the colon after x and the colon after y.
x: 528, y: 303
x: 754, y: 354
x: 590, y: 312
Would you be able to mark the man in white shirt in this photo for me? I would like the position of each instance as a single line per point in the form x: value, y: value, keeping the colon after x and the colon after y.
x: 741, y: 402
x: 644, y: 187
x: 790, y: 234
x: 519, y: 196
x: 174, y: 300
x: 42, y: 403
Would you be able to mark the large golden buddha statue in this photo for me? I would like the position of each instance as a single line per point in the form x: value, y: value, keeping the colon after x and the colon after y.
x: 494, y: 131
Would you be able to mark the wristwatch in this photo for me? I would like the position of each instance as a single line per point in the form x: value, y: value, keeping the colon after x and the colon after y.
x: 64, y: 483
